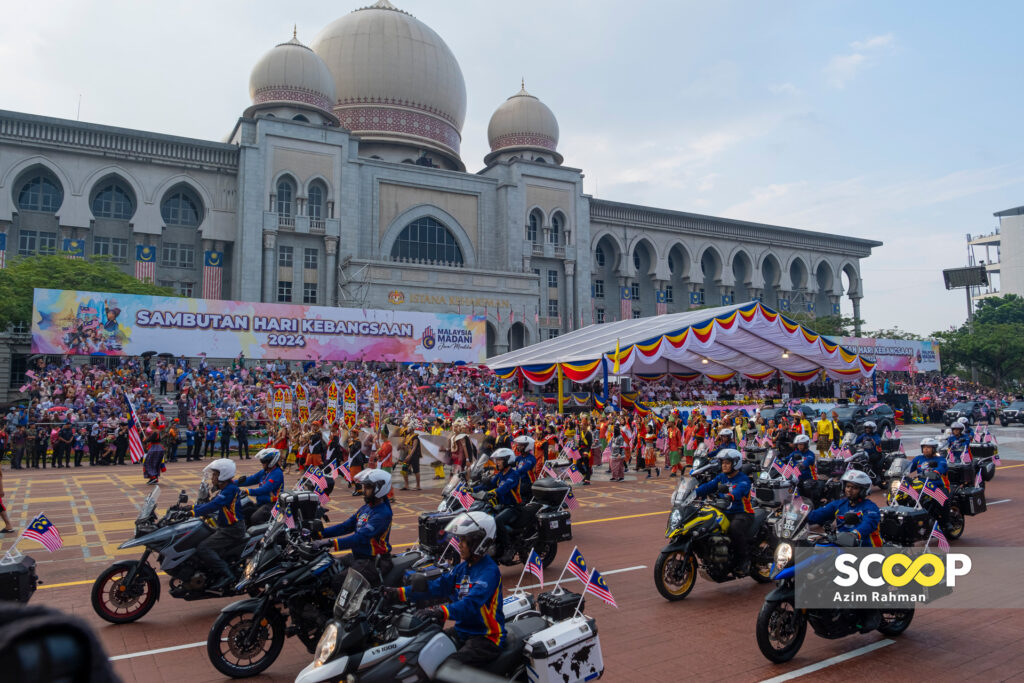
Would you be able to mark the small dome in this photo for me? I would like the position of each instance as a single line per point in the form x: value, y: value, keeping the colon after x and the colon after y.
x: 523, y: 122
x: 294, y: 74
x: 396, y: 79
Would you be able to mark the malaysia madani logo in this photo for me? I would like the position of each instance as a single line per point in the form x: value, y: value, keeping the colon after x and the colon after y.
x: 427, y: 340
x: 396, y: 297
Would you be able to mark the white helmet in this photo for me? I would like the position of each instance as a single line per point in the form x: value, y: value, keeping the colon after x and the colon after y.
x: 859, y: 478
x: 870, y: 424
x: 801, y: 438
x: 269, y: 457
x: 224, y: 467
x: 964, y: 420
x: 504, y: 454
x: 476, y: 527
x: 725, y: 432
x: 380, y: 480
x: 730, y: 454
x: 929, y: 441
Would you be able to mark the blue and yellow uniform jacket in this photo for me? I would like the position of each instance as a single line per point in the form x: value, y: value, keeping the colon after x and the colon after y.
x: 936, y: 462
x: 872, y: 442
x: 739, y: 491
x: 866, y: 528
x: 803, y: 461
x: 224, y: 505
x: 506, y: 486
x: 957, y: 445
x: 268, y: 485
x: 475, y: 594
x: 366, y: 533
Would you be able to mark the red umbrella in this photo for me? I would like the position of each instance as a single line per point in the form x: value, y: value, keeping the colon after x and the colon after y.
x: 500, y: 408
x: 531, y: 403
x: 505, y: 395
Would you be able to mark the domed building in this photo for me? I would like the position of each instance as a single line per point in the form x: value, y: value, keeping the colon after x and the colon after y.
x: 342, y: 184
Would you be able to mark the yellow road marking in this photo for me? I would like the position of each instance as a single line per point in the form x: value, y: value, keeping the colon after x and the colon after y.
x: 49, y: 499
x: 1008, y: 467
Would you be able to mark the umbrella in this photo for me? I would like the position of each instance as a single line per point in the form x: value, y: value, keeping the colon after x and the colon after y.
x: 58, y: 409
x: 531, y: 403
x: 147, y: 354
x: 505, y: 395
x: 500, y: 408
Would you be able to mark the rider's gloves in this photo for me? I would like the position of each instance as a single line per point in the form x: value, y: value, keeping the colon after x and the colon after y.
x: 431, y: 614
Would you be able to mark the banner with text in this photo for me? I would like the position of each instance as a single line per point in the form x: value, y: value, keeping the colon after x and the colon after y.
x: 896, y: 355
x: 104, y: 324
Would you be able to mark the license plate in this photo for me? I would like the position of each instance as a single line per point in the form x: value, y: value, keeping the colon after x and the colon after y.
x: 553, y: 525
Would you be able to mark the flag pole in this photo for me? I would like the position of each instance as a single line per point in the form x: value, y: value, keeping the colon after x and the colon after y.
x: 521, y: 575
x: 574, y: 549
x: 585, y: 587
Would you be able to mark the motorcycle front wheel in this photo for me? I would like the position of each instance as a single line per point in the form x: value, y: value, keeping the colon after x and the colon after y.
x: 120, y: 603
x: 547, y: 552
x: 240, y: 647
x: 675, y: 574
x: 956, y: 523
x: 761, y: 567
x: 896, y: 622
x: 780, y: 631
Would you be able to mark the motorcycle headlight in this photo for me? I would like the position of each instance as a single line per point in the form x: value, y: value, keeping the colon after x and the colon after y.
x: 675, y: 519
x: 783, y: 556
x: 250, y: 568
x: 894, y: 487
x: 325, y: 648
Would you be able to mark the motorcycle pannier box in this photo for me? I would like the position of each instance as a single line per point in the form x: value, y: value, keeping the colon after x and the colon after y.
x: 981, y: 450
x: 830, y: 467
x: 559, y: 605
x: 303, y: 504
x: 772, y: 491
x: 568, y: 652
x: 431, y: 527
x: 904, y: 525
x: 18, y: 580
x: 550, y: 491
x: 889, y: 445
x: 554, y: 526
x: 961, y: 474
x: 971, y: 500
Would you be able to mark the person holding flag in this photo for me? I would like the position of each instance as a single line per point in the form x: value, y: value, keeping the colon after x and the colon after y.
x: 223, y: 510
x: 931, y: 468
x: 505, y: 487
x: 367, y: 533
x: 801, y: 460
x: 957, y: 442
x: 267, y: 482
x: 854, y: 512
x: 474, y: 589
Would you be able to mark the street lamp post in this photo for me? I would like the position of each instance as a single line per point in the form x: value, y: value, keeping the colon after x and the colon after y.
x: 971, y: 276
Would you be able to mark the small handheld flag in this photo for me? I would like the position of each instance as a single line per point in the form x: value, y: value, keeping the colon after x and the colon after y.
x: 570, y: 501
x: 936, y: 493
x: 575, y: 476
x: 577, y: 566
x: 908, y: 490
x: 535, y: 565
x: 41, y: 529
x: 940, y: 538
x: 598, y: 587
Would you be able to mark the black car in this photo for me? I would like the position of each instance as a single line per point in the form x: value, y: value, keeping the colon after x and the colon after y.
x: 974, y: 411
x: 773, y: 412
x: 853, y: 416
x: 1012, y: 413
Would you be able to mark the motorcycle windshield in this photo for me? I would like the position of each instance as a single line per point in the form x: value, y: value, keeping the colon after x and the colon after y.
x: 685, y: 491
x: 896, y: 468
x: 450, y: 486
x: 794, y: 516
x: 351, y: 596
x: 480, y: 466
x: 149, y: 504
x: 766, y: 471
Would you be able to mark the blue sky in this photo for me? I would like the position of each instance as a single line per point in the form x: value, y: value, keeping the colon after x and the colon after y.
x: 890, y: 121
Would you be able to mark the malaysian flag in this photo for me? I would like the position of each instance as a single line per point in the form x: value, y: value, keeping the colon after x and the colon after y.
x: 577, y: 566
x: 598, y: 587
x: 145, y: 263
x: 779, y: 468
x: 289, y: 518
x: 213, y: 270
x: 896, y: 433
x: 936, y: 493
x: 463, y: 496
x: 940, y: 538
x: 661, y: 302
x: 575, y: 476
x: 548, y: 471
x: 135, y: 448
x: 978, y: 479
x: 535, y: 565
x: 572, y: 452
x: 3, y: 249
x: 570, y: 501
x: 41, y: 529
x: 627, y: 303
x: 886, y: 434
x: 345, y: 471
x: 316, y: 475
x: 908, y: 490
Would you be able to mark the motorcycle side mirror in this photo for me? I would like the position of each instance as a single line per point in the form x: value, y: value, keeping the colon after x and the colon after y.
x: 182, y: 497
x: 418, y: 582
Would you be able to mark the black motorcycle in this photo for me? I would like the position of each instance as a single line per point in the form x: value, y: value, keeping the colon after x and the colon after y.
x: 128, y: 589
x: 781, y: 627
x: 541, y: 524
x: 698, y: 534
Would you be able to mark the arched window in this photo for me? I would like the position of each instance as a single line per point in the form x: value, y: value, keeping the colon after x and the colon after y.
x: 636, y: 259
x: 40, y: 191
x: 182, y: 208
x: 599, y: 256
x: 671, y: 264
x: 533, y: 227
x: 316, y: 201
x: 557, y: 223
x: 300, y: 118
x: 427, y: 240
x: 285, y: 194
x: 113, y: 200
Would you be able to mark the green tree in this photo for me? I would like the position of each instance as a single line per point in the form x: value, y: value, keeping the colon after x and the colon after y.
x: 1007, y: 309
x: 828, y: 325
x: 23, y: 275
x: 993, y: 343
x: 892, y: 333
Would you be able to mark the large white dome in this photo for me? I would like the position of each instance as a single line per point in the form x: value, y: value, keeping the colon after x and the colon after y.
x: 292, y: 73
x: 395, y: 79
x: 523, y: 122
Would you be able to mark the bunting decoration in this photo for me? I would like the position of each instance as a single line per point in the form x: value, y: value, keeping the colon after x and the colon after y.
x: 302, y: 400
x: 349, y: 405
x: 331, y: 411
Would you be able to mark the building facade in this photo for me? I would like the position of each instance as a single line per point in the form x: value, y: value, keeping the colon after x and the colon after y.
x: 343, y: 185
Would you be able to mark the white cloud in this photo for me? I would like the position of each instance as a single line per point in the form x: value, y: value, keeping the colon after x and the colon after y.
x: 887, y: 40
x: 841, y: 69
x: 783, y: 89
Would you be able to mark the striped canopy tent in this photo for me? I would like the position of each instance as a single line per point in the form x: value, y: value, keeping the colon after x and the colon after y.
x: 743, y: 340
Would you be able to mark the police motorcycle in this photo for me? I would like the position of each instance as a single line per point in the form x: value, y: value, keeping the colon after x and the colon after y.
x: 699, y: 539
x: 372, y: 641
x: 128, y: 589
x: 544, y: 521
x: 705, y: 468
x: 781, y: 627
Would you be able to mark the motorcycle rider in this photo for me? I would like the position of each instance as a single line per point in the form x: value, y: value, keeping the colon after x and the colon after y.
x: 957, y: 442
x: 505, y: 486
x: 473, y: 586
x: 871, y: 443
x: 968, y: 429
x: 268, y: 483
x: 367, y: 533
x: 223, y: 508
x: 734, y: 486
x: 525, y: 463
x: 930, y: 465
x: 803, y: 459
x: 723, y: 441
x: 856, y: 485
